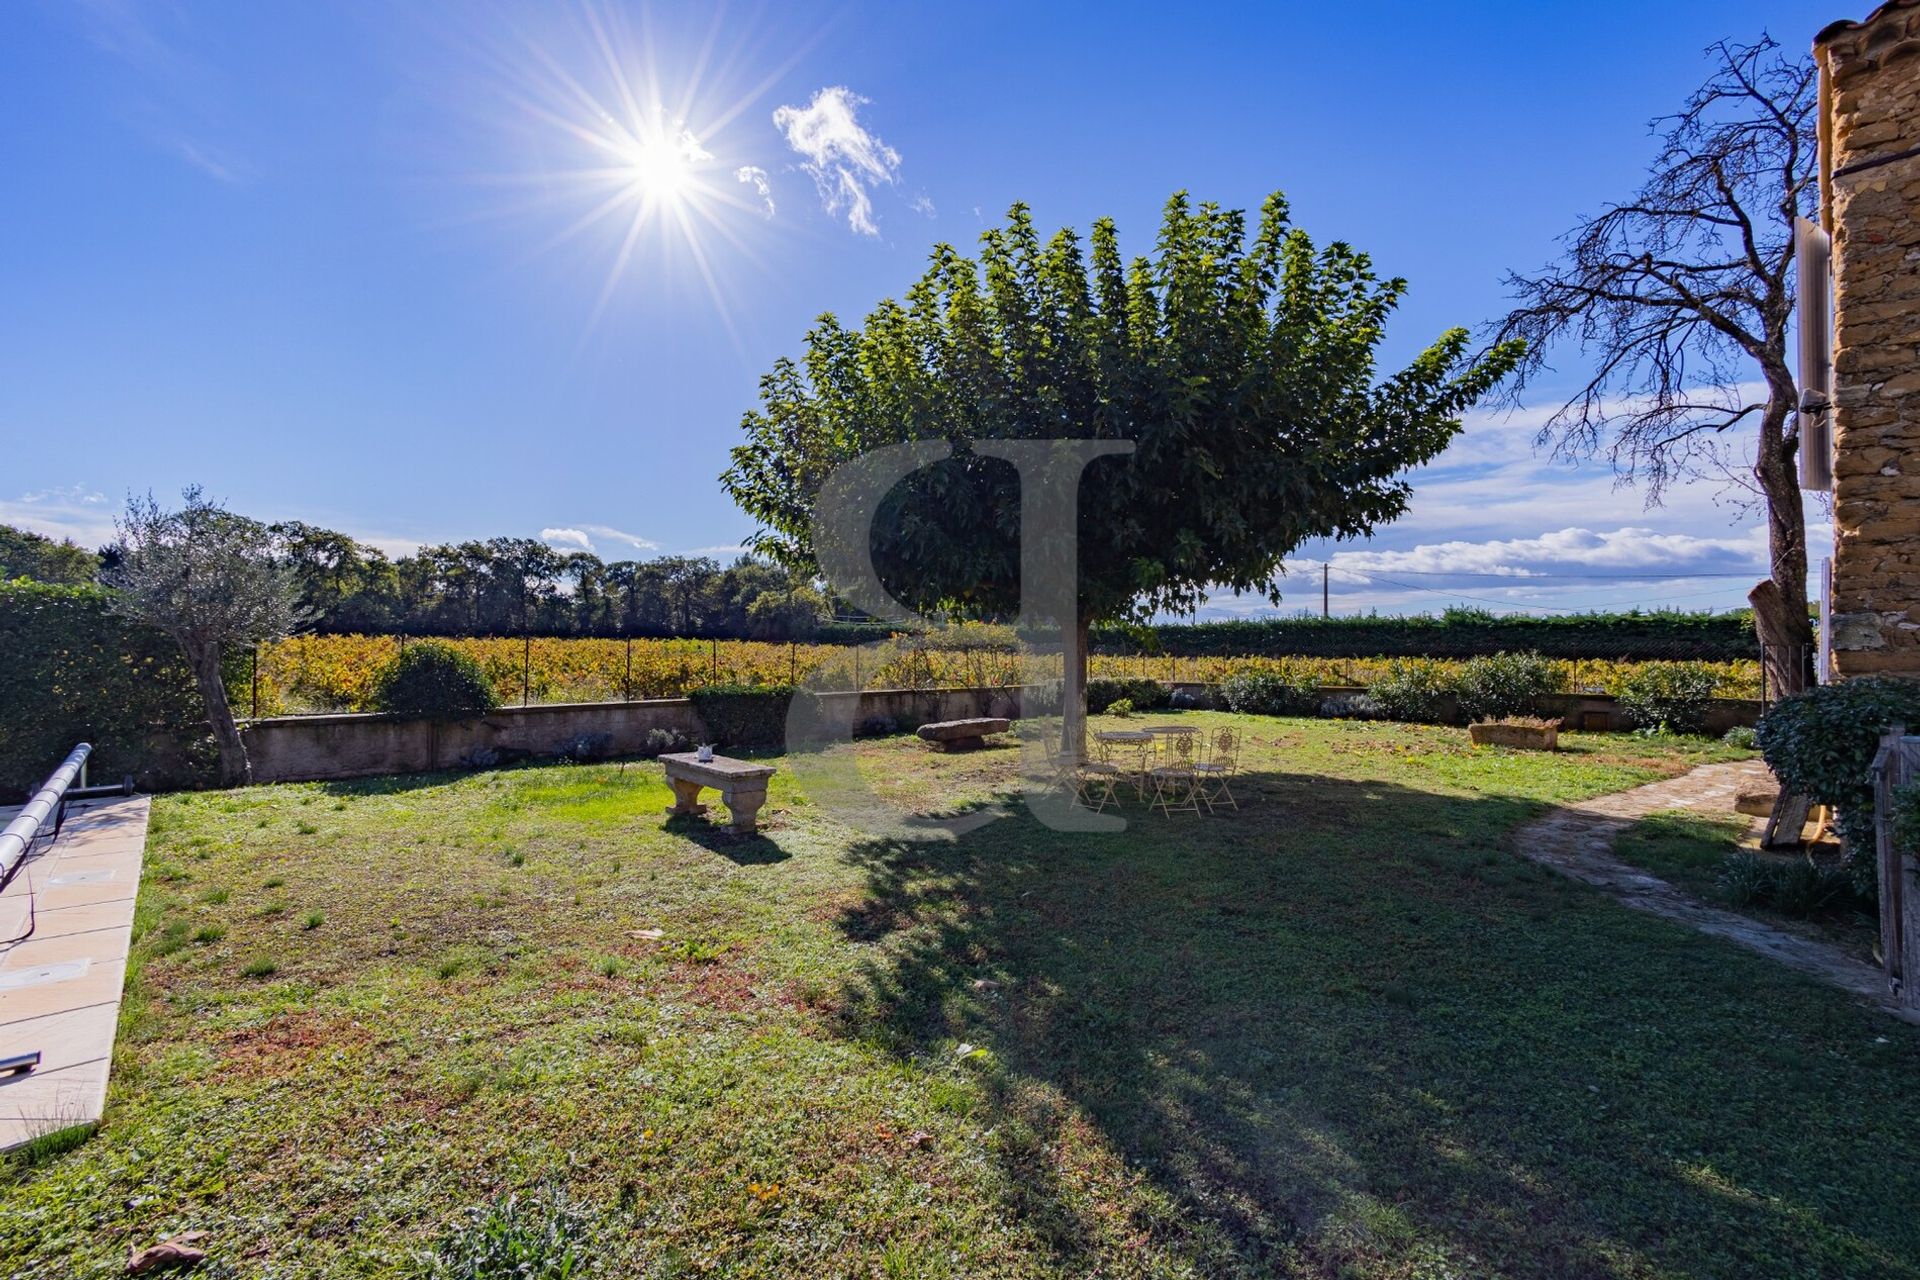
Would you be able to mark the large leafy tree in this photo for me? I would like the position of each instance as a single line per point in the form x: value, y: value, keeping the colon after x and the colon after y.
x: 1243, y: 371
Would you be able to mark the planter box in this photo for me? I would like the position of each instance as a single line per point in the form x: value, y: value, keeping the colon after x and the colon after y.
x: 1530, y: 737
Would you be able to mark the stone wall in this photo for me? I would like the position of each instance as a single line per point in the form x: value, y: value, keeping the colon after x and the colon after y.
x: 318, y: 748
x: 315, y: 748
x: 1872, y: 187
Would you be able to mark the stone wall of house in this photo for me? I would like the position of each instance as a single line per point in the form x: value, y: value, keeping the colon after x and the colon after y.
x: 1873, y: 193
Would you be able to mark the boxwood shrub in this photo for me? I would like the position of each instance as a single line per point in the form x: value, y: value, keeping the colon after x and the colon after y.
x: 1413, y: 690
x: 1671, y: 698
x: 1505, y: 684
x: 1266, y: 693
x: 1145, y: 695
x: 1822, y: 743
x: 428, y: 680
x: 747, y: 715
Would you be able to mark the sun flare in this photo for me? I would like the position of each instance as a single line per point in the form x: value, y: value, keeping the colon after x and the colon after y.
x: 638, y: 161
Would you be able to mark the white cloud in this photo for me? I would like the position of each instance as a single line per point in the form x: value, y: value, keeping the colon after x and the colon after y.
x: 72, y: 511
x: 608, y: 533
x: 756, y: 177
x: 1620, y: 552
x: 923, y: 205
x: 68, y: 494
x: 585, y: 537
x: 841, y: 156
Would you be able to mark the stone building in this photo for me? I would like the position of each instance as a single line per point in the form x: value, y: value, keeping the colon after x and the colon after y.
x: 1870, y: 206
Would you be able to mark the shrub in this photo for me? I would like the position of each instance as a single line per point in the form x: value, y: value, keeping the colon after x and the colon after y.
x: 585, y: 747
x: 1670, y: 697
x: 71, y: 672
x: 1412, y: 690
x: 1741, y: 735
x: 1349, y: 706
x: 1906, y: 816
x: 1459, y: 633
x: 1122, y: 707
x: 1505, y: 684
x: 1821, y: 743
x: 878, y: 727
x: 428, y: 680
x: 742, y: 715
x: 1145, y: 695
x: 661, y: 741
x: 1799, y: 888
x: 542, y: 1235
x: 1265, y: 693
x: 1190, y: 700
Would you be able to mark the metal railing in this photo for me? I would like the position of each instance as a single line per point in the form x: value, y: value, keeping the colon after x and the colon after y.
x: 48, y: 802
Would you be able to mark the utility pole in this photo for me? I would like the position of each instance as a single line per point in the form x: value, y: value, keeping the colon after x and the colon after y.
x: 1326, y: 606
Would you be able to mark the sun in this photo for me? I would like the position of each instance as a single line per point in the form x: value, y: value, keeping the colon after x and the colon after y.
x: 621, y: 140
x: 661, y: 167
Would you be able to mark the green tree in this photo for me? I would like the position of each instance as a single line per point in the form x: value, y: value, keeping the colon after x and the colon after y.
x: 211, y: 580
x: 1243, y: 372
x: 24, y: 554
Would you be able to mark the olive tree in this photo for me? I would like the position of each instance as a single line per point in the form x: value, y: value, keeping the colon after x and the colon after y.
x: 211, y: 580
x: 1242, y: 371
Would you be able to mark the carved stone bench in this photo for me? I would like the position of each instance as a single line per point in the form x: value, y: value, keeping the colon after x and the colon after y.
x: 742, y: 786
x: 961, y: 735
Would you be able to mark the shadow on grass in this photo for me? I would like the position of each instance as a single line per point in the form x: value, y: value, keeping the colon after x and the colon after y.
x: 756, y: 850
x: 1348, y: 1031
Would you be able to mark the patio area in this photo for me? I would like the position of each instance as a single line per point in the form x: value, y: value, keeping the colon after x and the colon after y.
x: 1346, y: 1029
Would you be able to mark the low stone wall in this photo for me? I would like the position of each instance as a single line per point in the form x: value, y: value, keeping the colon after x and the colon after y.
x: 315, y: 748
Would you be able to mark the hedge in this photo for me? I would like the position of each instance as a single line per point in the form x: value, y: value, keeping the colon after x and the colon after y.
x: 746, y: 715
x: 74, y: 672
x: 1458, y: 633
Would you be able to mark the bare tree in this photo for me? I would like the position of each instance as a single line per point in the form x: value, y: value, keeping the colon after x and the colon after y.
x: 209, y: 579
x: 1680, y: 296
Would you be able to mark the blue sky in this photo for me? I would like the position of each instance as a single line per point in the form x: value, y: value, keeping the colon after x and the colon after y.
x: 339, y: 262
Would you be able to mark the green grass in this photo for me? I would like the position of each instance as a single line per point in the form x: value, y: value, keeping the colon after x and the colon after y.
x: 1347, y: 1032
x: 1688, y: 850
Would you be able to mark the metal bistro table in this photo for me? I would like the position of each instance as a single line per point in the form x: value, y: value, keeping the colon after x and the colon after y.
x: 1142, y: 742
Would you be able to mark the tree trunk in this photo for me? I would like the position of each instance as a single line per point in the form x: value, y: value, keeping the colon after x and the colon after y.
x: 235, y: 770
x: 1780, y: 604
x: 1073, y: 693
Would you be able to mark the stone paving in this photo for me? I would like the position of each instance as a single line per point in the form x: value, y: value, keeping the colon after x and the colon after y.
x: 1577, y: 841
x: 65, y: 922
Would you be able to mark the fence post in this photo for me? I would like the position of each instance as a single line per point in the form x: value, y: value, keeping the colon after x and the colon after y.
x: 626, y: 681
x: 526, y: 667
x: 714, y: 651
x: 256, y: 679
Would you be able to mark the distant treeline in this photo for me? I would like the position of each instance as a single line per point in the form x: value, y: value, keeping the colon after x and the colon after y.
x: 502, y: 586
x: 515, y: 586
x: 1458, y: 633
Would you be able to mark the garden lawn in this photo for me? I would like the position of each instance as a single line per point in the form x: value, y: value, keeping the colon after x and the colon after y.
x: 1347, y: 1031
x: 1690, y: 850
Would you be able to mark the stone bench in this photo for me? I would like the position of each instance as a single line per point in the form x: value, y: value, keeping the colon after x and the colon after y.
x: 742, y: 786
x: 962, y: 735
